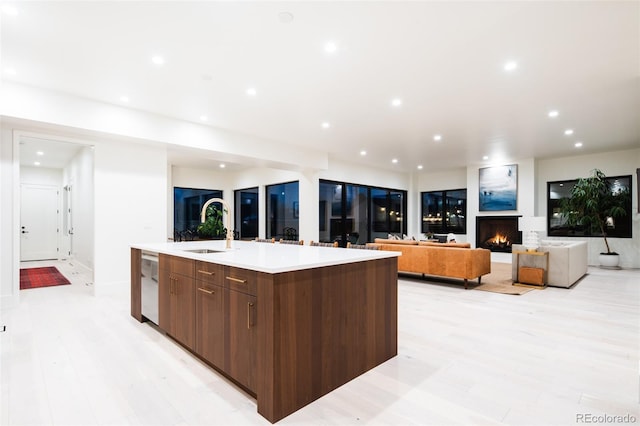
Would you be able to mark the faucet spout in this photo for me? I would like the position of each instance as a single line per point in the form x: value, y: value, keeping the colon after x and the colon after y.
x: 203, y: 217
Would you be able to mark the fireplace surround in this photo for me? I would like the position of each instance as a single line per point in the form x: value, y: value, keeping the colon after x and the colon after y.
x: 497, y: 233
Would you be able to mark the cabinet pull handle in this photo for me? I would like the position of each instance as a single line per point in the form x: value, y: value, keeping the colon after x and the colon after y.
x: 237, y: 280
x: 205, y: 272
x: 249, y: 306
x: 204, y: 290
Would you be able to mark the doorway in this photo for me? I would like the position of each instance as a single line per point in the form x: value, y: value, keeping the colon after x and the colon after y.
x: 49, y: 170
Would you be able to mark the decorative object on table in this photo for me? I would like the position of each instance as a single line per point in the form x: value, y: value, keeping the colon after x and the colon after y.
x: 41, y: 277
x: 595, y: 202
x: 498, y: 188
x: 530, y: 226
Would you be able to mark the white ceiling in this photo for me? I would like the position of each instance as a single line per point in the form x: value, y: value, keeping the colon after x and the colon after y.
x: 443, y: 59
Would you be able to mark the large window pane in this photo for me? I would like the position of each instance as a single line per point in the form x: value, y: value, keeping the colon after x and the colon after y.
x: 282, y: 211
x: 187, y: 206
x: 557, y: 226
x: 246, y: 213
x: 358, y: 213
x: 444, y: 212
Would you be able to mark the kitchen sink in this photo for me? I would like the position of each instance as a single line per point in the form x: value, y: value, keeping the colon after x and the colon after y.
x: 204, y: 251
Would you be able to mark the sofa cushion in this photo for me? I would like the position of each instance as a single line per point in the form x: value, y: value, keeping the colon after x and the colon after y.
x: 403, y: 242
x: 432, y: 243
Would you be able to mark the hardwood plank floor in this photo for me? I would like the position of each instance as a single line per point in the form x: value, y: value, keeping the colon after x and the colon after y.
x: 464, y: 357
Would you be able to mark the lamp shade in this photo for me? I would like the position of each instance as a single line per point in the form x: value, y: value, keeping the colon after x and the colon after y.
x: 532, y: 223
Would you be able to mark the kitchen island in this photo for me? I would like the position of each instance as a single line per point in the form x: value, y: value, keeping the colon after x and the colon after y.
x: 287, y: 323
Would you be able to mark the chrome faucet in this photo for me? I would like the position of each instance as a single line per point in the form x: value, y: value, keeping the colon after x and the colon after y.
x: 203, y: 217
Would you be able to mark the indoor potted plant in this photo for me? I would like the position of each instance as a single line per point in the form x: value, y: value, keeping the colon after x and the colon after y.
x: 591, y: 203
x: 213, y: 226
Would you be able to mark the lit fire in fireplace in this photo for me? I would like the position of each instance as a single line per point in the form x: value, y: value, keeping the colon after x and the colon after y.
x: 498, y: 239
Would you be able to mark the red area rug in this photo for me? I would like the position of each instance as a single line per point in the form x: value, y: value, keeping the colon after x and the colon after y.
x: 41, y: 277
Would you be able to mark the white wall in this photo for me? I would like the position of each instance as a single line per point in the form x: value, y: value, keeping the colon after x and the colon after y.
x: 79, y: 176
x: 40, y: 176
x: 9, y: 176
x: 130, y: 205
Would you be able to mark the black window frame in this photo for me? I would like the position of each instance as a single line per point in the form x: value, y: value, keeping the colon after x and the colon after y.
x: 625, y: 223
x: 289, y: 232
x: 344, y: 236
x: 445, y: 227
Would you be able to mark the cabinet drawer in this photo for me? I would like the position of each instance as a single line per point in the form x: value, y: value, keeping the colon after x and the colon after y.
x: 210, y: 273
x: 177, y: 265
x: 241, y: 280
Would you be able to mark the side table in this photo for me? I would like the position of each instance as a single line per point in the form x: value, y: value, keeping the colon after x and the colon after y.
x: 519, y: 254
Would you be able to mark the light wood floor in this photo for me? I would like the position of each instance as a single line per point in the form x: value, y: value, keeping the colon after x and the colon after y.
x: 465, y: 357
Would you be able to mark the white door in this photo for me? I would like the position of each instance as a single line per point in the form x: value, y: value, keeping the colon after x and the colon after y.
x: 38, y: 222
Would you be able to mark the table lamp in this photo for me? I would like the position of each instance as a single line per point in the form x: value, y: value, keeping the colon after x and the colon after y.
x: 530, y: 226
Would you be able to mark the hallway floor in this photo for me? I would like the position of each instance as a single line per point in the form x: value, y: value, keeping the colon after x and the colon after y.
x: 464, y: 358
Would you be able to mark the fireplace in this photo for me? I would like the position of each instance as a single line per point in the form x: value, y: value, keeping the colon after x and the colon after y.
x: 497, y: 233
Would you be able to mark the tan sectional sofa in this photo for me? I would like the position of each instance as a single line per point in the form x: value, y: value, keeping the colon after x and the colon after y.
x: 454, y: 260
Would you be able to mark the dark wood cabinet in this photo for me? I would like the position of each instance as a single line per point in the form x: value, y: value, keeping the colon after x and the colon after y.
x: 241, y: 338
x: 136, y: 285
x: 286, y: 337
x: 210, y: 313
x: 176, y: 288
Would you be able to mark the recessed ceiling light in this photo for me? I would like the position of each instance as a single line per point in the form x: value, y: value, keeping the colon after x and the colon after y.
x: 486, y: 157
x: 10, y: 71
x: 158, y: 60
x: 363, y: 152
x: 510, y: 66
x: 222, y: 166
x: 251, y: 91
x: 124, y: 98
x: 203, y: 118
x: 36, y: 163
x: 396, y: 102
x: 39, y: 153
x: 420, y: 167
x: 437, y: 138
x: 568, y: 132
x: 394, y: 161
x: 326, y: 125
x: 285, y: 17
x: 330, y: 47
x: 553, y: 113
x: 578, y: 144
x: 10, y: 10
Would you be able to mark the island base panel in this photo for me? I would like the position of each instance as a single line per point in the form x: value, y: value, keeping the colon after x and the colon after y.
x: 320, y: 328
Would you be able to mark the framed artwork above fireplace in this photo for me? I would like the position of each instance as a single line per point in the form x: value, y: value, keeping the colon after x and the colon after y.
x: 498, y: 188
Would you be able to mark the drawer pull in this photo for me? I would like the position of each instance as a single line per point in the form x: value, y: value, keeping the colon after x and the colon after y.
x: 237, y: 280
x: 249, y: 306
x: 200, y: 271
x: 204, y: 290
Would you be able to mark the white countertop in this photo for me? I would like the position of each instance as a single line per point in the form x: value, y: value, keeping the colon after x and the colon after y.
x: 266, y: 257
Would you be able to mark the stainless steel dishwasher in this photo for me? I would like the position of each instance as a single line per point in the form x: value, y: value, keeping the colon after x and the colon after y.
x: 149, y: 286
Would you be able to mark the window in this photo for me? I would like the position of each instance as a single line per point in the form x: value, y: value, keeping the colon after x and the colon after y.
x: 282, y: 211
x: 444, y: 212
x: 358, y: 213
x: 246, y: 213
x: 187, y: 206
x: 556, y: 223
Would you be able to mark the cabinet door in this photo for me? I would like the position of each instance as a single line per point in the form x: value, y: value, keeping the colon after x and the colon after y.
x: 241, y: 340
x: 183, y: 313
x: 165, y: 292
x: 210, y: 323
